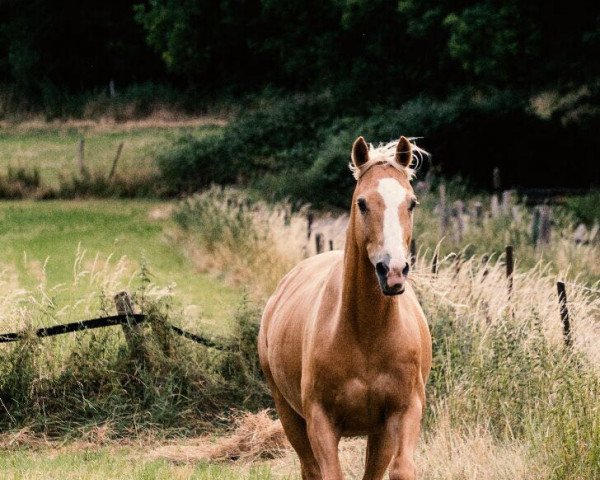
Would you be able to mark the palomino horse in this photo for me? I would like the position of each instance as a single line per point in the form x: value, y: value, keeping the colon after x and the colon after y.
x: 343, y: 341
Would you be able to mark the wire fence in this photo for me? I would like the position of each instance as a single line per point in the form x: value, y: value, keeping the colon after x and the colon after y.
x: 125, y: 318
x: 131, y: 321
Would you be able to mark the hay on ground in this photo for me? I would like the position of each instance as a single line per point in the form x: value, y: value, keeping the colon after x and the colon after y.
x: 254, y: 436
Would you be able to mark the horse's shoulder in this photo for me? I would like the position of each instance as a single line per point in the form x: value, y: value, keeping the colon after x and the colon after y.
x: 321, y: 261
x: 307, y: 279
x: 313, y: 271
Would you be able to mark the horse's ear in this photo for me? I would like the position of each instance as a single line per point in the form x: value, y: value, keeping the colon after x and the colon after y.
x: 360, y: 152
x: 404, y: 152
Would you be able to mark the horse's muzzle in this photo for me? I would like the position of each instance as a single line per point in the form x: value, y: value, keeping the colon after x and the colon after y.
x: 392, y: 276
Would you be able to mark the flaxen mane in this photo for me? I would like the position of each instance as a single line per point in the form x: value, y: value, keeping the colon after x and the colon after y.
x: 386, y: 153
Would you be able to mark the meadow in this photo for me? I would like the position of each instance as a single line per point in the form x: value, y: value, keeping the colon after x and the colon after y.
x: 52, y: 244
x: 52, y: 148
x: 507, y: 400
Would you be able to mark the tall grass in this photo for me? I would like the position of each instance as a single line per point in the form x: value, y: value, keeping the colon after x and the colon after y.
x: 257, y: 243
x: 75, y: 385
x: 506, y: 398
x: 512, y: 227
x: 500, y: 366
x: 253, y: 242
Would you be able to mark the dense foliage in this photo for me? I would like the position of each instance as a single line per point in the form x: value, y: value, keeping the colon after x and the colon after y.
x: 377, y: 48
x: 380, y: 47
x: 487, y: 83
x: 299, y: 147
x: 53, y: 48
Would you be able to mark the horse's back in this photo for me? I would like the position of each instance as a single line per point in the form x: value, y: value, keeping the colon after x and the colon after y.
x: 283, y: 325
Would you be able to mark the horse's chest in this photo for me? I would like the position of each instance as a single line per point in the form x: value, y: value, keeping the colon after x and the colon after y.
x: 360, y: 405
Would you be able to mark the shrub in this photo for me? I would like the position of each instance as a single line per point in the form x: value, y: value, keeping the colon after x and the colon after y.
x: 299, y: 147
x: 138, y: 184
x: 22, y: 183
x: 67, y: 385
x: 586, y: 208
x: 253, y: 241
x: 192, y: 163
x: 273, y: 137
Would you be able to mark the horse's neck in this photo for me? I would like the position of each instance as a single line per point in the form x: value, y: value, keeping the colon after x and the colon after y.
x: 364, y: 308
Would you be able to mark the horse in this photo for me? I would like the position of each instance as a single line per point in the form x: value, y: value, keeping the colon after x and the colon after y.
x: 343, y: 342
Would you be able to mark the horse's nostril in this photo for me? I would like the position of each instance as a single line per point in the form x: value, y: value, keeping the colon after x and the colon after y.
x: 405, y: 270
x: 382, y: 269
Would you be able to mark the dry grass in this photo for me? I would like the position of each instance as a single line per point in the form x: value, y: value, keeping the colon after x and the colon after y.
x: 254, y: 436
x: 478, y: 294
x: 464, y: 437
x: 158, y: 119
x: 254, y: 244
x: 506, y: 399
x: 443, y: 454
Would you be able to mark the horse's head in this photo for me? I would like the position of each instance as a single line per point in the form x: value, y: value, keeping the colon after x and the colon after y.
x: 382, y: 208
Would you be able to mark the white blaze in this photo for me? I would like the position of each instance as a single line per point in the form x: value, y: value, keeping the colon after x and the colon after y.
x: 393, y: 237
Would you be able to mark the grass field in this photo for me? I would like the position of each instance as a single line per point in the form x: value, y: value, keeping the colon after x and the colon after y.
x: 41, y: 242
x: 53, y: 149
x: 114, y: 463
x: 505, y: 400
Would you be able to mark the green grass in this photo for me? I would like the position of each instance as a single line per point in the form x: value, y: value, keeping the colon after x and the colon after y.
x: 113, y: 463
x: 53, y: 150
x: 39, y: 242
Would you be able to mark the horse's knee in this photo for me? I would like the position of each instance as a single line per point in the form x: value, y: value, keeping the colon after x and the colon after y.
x: 403, y: 470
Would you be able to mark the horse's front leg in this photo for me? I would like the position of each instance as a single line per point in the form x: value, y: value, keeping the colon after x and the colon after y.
x: 324, y: 439
x: 381, y: 447
x: 403, y: 465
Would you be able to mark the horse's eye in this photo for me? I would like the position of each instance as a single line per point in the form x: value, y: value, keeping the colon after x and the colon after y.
x: 362, y: 205
x: 412, y: 205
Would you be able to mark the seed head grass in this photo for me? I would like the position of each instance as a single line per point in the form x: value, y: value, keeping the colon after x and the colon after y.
x: 506, y: 398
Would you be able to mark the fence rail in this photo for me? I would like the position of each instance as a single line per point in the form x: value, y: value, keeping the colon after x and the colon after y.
x: 131, y: 321
x: 126, y: 318
x: 92, y: 324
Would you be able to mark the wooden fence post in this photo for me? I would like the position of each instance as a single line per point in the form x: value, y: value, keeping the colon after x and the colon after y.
x: 133, y: 333
x: 564, y: 313
x: 507, y: 202
x: 510, y: 267
x: 434, y: 264
x: 457, y: 213
x: 478, y: 211
x: 496, y: 180
x: 115, y: 161
x: 83, y: 171
x: 330, y: 245
x: 535, y: 227
x: 444, y: 222
x: 594, y: 236
x: 319, y: 242
x: 494, y: 206
x: 309, y: 221
x: 495, y: 201
x: 413, y: 253
x: 545, y: 225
